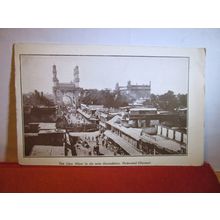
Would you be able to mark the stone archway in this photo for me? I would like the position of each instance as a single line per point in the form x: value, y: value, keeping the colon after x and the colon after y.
x: 72, y: 99
x: 72, y: 95
x: 70, y: 90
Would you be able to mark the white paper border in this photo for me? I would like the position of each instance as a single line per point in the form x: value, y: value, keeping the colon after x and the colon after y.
x: 195, y: 151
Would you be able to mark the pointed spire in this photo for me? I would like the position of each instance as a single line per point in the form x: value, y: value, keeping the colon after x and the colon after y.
x: 76, y: 76
x: 55, y: 79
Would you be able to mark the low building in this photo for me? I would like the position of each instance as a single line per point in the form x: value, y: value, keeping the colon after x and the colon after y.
x: 126, y: 138
x: 138, y: 141
x: 88, y: 116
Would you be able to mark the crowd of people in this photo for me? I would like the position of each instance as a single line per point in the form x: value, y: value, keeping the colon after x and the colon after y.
x: 90, y: 145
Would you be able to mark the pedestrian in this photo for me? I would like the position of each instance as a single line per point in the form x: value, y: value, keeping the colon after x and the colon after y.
x: 96, y: 149
x: 69, y: 144
x: 73, y: 149
x: 86, y: 145
x: 97, y: 140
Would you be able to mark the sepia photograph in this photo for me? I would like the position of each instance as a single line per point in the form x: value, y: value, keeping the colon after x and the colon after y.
x: 104, y: 105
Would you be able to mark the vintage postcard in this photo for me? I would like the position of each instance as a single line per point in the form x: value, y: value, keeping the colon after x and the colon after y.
x: 109, y: 105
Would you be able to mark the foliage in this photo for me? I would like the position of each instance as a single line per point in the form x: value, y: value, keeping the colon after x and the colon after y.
x: 169, y: 101
x: 104, y: 97
x: 37, y: 98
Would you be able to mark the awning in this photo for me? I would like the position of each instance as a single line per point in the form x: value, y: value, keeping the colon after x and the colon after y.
x: 123, y: 144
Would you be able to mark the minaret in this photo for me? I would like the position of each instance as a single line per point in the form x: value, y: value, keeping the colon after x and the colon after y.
x: 117, y: 88
x: 55, y: 79
x: 76, y: 76
x: 149, y: 90
x: 129, y: 84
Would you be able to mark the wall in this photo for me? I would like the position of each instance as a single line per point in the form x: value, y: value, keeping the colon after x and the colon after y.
x: 208, y: 38
x: 171, y: 134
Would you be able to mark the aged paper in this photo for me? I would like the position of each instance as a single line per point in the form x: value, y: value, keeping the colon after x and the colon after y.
x: 111, y: 106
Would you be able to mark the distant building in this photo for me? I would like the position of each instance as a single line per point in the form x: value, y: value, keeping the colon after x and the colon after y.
x: 135, y: 91
x: 69, y: 90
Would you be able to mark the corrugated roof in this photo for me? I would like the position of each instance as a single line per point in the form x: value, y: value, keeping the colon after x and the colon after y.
x: 162, y: 142
x: 145, y: 109
x: 134, y: 133
x: 45, y: 126
x: 122, y: 143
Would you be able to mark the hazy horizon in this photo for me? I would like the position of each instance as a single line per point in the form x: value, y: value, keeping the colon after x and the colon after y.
x: 104, y: 72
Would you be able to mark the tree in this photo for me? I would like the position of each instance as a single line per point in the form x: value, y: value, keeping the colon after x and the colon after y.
x: 36, y: 98
x: 104, y: 97
x: 169, y: 101
x: 154, y: 100
x: 182, y: 100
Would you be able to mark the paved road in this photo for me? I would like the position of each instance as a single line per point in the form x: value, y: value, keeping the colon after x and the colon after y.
x: 90, y: 138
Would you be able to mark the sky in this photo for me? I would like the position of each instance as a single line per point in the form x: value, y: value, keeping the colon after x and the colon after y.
x: 104, y: 72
